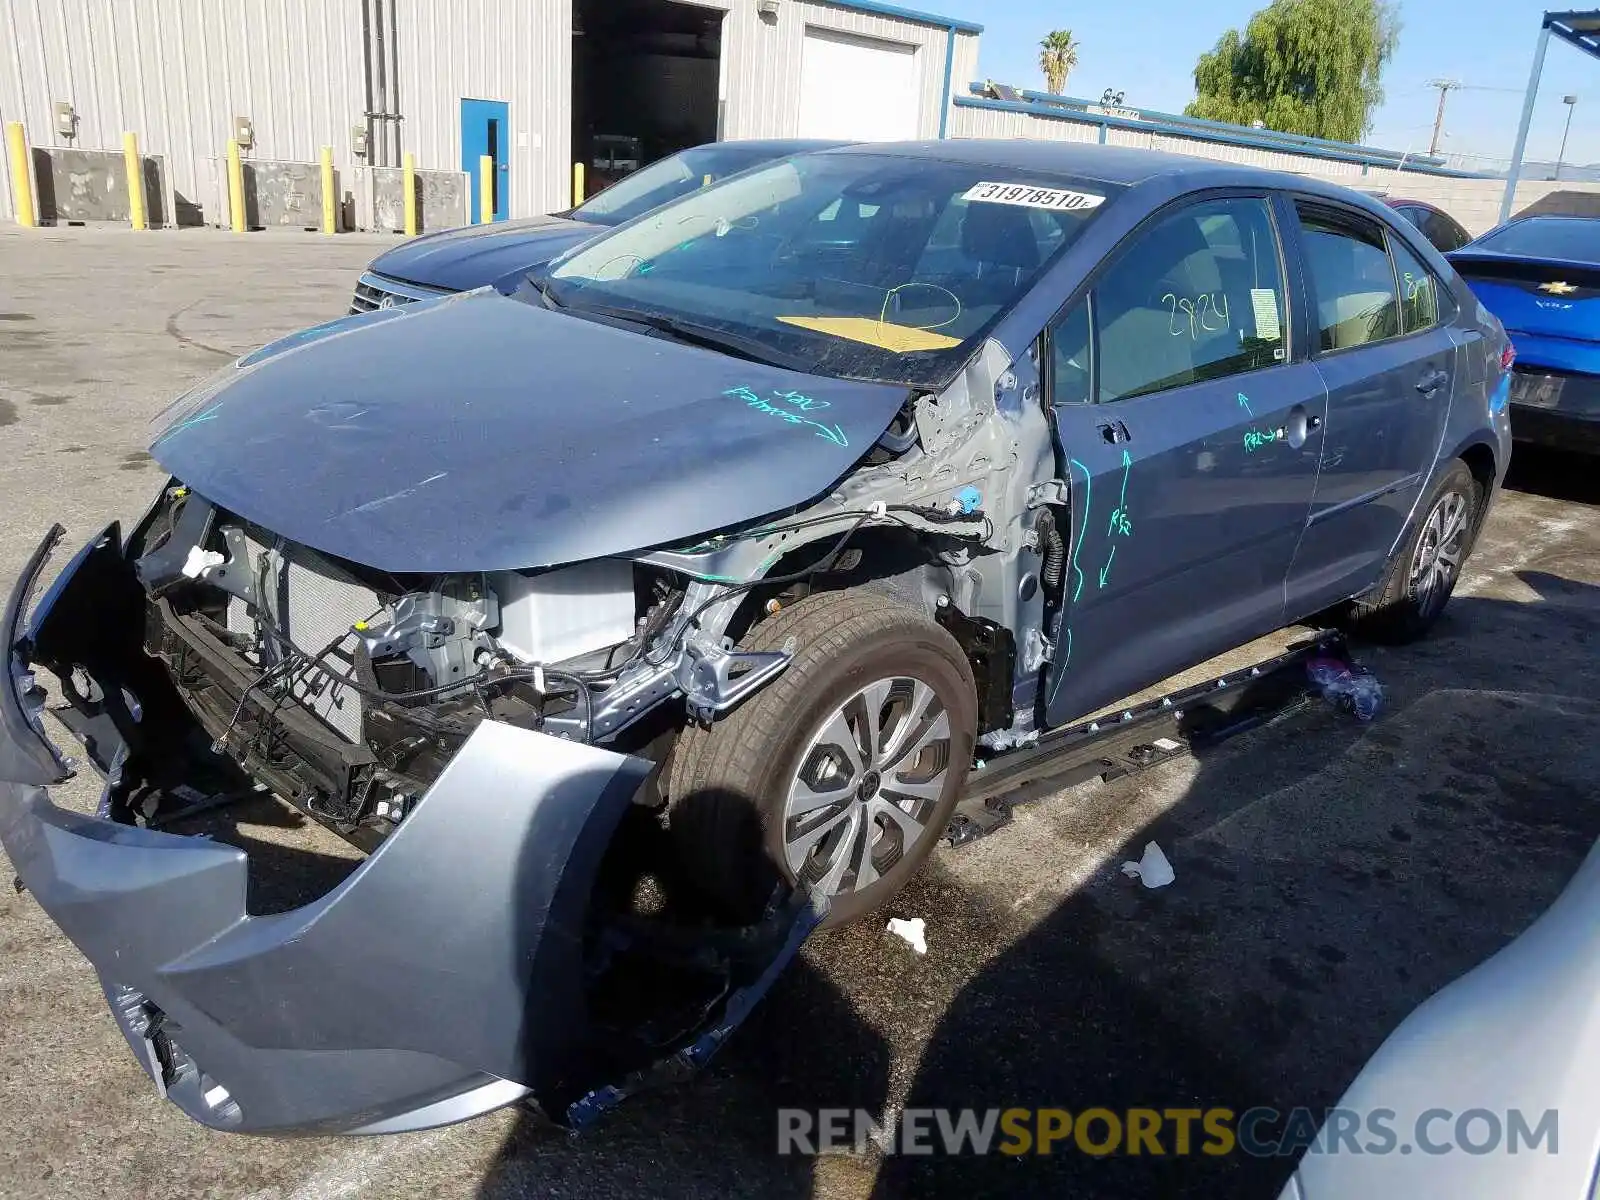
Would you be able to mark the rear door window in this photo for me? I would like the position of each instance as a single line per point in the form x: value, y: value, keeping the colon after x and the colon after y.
x: 1198, y: 296
x: 1419, y: 290
x: 1355, y: 297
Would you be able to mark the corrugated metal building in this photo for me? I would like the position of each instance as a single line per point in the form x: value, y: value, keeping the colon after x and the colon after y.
x: 529, y: 82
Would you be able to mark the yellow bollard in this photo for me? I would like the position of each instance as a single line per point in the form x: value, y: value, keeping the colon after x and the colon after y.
x: 705, y: 181
x: 21, y: 178
x: 235, y: 187
x: 330, y: 220
x: 133, y: 166
x: 485, y: 190
x: 408, y: 191
x: 577, y: 184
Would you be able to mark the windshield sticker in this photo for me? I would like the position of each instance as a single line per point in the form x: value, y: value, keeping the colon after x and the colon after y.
x: 1034, y: 197
x: 885, y: 335
x: 783, y: 410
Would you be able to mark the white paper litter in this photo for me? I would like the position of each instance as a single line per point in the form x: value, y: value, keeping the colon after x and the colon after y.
x: 1153, y: 870
x: 912, y: 931
x: 199, y: 560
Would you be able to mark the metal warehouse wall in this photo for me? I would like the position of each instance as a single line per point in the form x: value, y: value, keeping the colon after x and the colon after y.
x: 177, y: 72
x: 519, y: 51
x: 761, y: 62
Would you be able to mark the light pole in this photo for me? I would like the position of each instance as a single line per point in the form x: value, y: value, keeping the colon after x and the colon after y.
x: 1571, y: 102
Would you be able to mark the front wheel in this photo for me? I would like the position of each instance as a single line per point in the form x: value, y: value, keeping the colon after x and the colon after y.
x: 1420, y: 578
x: 842, y: 774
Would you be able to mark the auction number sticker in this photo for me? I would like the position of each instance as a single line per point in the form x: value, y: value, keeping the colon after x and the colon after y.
x: 1034, y: 197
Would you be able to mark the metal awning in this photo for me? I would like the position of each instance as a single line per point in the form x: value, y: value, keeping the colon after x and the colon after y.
x: 1580, y: 29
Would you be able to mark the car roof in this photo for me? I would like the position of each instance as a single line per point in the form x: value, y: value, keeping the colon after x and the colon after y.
x: 1104, y: 164
x: 777, y: 146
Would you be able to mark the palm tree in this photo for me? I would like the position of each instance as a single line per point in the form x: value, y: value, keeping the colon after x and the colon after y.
x: 1058, y: 54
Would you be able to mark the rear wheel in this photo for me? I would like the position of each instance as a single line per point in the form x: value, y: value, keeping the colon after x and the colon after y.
x: 1420, y: 578
x: 842, y: 774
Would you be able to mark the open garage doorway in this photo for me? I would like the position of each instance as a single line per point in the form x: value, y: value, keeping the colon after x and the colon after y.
x: 644, y: 83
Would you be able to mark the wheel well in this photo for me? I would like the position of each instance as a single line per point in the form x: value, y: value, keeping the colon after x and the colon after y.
x: 897, y: 558
x: 1480, y: 461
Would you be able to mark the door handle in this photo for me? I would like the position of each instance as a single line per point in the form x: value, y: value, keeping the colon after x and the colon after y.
x: 1115, y: 432
x: 1300, y: 426
x: 1432, y: 382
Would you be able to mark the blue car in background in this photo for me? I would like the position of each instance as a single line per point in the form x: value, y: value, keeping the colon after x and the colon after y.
x: 1541, y: 277
x: 457, y: 260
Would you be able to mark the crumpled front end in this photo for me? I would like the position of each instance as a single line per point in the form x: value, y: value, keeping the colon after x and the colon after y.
x: 447, y: 975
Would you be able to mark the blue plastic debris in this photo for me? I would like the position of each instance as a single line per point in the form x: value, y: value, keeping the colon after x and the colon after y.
x: 1347, y: 686
x: 971, y: 499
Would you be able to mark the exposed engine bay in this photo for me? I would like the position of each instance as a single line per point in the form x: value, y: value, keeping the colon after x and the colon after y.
x: 347, y: 690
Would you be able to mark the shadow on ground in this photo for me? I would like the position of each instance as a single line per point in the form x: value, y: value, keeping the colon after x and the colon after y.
x: 1331, y: 876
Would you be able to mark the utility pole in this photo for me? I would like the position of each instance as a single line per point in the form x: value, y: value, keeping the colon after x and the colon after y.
x: 1571, y: 102
x: 1444, y: 86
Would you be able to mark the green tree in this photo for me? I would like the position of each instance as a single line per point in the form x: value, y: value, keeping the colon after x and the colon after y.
x: 1301, y: 66
x: 1058, y: 54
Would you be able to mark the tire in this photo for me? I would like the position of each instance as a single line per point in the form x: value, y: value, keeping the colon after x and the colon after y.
x: 1417, y: 582
x: 730, y: 787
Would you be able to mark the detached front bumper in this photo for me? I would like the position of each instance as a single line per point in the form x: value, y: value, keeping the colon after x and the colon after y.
x: 442, y: 979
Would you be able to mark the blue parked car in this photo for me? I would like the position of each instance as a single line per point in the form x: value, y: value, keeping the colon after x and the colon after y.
x: 456, y: 260
x: 743, y: 528
x: 1541, y: 277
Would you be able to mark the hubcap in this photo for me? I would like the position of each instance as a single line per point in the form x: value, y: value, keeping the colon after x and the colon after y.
x: 867, y: 786
x: 1438, y: 556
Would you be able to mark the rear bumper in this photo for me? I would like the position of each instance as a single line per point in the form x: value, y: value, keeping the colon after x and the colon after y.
x: 1557, y: 410
x: 441, y: 979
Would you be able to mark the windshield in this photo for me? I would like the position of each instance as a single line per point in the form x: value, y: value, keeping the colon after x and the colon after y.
x: 863, y: 266
x: 1572, y: 238
x: 666, y: 180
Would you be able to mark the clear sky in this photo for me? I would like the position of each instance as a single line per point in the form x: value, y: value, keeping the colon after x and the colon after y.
x: 1148, y: 52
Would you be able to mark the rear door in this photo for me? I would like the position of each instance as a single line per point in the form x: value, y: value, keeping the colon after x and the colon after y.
x: 1389, y: 363
x: 1189, y: 432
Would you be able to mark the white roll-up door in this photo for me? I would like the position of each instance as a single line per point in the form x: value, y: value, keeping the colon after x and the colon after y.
x: 856, y: 88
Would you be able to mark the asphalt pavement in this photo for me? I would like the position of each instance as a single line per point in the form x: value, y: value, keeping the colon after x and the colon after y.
x: 1330, y: 875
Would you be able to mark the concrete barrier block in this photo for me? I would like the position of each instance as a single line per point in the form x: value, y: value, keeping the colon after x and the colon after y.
x: 442, y: 196
x: 92, y: 186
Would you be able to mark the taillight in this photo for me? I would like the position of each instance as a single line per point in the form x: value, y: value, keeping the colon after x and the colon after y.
x: 1507, y: 357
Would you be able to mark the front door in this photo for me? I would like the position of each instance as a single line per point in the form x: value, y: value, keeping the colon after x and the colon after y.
x: 1389, y: 363
x: 1190, y: 439
x: 485, y: 131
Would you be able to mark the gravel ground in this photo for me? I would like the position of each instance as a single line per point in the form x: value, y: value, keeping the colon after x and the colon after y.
x: 1330, y: 876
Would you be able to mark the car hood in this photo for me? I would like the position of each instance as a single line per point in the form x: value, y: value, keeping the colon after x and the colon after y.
x: 474, y: 255
x: 481, y: 432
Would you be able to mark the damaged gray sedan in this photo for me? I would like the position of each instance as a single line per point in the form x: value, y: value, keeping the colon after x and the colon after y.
x: 641, y: 617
